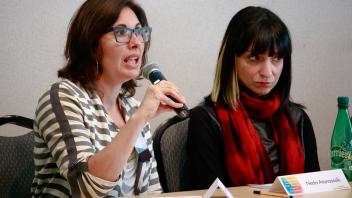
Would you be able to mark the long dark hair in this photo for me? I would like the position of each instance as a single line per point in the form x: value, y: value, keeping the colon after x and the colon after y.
x: 262, y: 30
x: 90, y: 22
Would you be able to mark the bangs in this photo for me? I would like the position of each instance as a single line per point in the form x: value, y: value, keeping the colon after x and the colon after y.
x: 266, y: 37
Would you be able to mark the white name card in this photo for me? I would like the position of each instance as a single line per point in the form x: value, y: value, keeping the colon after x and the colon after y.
x: 322, y: 181
x: 217, y: 184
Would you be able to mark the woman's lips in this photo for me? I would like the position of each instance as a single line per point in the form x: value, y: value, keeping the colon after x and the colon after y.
x: 264, y: 84
x: 132, y: 60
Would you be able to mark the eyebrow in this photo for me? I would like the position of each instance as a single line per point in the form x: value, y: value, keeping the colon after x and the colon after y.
x: 124, y: 25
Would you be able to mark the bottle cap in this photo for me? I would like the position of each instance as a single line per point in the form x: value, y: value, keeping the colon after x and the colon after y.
x: 342, y: 99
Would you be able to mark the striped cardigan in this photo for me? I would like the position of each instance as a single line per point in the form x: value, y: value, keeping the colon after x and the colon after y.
x: 71, y: 125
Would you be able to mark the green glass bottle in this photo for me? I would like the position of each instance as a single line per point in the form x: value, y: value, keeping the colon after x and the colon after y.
x: 341, y: 140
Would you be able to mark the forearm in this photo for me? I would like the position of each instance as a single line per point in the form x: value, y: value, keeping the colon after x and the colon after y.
x: 109, y: 162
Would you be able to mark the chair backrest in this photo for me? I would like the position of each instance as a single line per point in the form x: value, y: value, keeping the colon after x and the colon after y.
x: 169, y: 143
x: 16, y: 159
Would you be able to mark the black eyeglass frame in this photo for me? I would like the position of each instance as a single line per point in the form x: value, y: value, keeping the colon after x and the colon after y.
x: 136, y: 31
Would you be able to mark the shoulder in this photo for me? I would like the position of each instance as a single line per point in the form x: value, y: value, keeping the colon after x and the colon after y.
x: 65, y: 87
x: 203, y: 110
x: 298, y: 113
x: 68, y: 87
x: 62, y: 91
x: 204, y: 114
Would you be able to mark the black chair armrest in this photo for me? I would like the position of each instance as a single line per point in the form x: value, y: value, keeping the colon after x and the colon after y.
x: 17, y: 120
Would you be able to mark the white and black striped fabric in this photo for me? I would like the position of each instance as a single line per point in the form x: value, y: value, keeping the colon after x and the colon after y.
x: 71, y: 125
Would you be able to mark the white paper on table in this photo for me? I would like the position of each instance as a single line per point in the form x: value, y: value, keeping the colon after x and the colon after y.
x: 260, y: 186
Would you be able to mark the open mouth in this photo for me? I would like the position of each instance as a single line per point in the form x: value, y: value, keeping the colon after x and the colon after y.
x: 131, y: 60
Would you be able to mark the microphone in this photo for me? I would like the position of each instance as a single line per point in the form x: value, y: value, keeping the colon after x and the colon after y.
x: 152, y: 72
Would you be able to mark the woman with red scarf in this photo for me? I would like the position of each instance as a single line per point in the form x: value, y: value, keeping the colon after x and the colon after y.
x: 248, y: 131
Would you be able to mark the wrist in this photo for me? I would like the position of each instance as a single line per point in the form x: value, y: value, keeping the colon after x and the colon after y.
x: 140, y: 116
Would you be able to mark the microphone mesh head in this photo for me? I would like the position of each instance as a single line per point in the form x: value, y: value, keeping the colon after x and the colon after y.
x: 149, y: 68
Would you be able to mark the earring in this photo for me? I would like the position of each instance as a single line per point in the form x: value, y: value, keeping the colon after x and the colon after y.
x: 97, y: 66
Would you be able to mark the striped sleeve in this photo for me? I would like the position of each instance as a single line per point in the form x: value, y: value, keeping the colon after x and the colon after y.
x: 60, y: 122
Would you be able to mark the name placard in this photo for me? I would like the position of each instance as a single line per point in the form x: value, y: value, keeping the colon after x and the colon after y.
x: 217, y: 184
x: 322, y: 181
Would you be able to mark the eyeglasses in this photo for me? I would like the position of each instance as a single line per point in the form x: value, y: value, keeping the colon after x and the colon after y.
x: 124, y: 34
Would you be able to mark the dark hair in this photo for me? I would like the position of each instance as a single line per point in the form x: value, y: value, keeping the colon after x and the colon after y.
x: 90, y: 22
x: 262, y: 30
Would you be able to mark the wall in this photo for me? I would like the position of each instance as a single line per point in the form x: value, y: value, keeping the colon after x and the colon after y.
x: 185, y: 42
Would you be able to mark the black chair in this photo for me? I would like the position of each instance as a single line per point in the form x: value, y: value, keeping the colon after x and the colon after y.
x: 169, y: 144
x: 17, y: 161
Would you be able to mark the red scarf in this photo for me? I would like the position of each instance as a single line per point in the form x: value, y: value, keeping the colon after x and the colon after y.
x: 246, y: 157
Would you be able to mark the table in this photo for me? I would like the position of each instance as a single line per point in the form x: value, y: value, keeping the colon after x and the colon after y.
x: 245, y: 192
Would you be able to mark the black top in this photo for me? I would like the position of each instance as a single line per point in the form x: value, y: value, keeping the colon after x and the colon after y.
x: 206, y: 152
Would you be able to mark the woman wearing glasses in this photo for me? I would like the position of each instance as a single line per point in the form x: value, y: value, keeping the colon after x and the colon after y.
x: 248, y: 131
x: 92, y: 137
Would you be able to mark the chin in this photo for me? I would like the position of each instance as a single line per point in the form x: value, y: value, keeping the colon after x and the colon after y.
x: 133, y: 74
x: 262, y: 92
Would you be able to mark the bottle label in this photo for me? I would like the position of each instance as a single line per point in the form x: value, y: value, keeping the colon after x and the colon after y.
x: 342, y: 158
x: 339, y: 154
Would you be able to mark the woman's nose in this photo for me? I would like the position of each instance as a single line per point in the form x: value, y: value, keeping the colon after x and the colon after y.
x: 266, y: 68
x: 134, y: 41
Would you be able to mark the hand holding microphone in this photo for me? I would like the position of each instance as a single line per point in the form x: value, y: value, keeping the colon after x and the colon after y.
x: 152, y: 72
